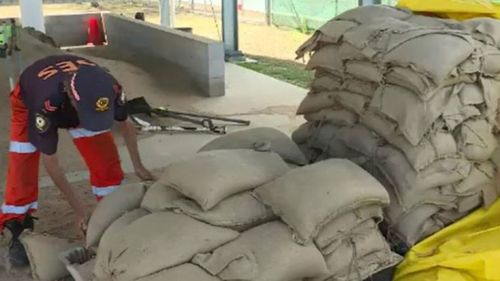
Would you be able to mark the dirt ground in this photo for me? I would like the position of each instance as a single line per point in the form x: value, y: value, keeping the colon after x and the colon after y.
x: 256, y: 39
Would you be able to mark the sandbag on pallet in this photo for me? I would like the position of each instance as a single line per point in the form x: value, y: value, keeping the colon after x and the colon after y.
x: 308, y: 198
x: 160, y: 241
x: 124, y: 199
x: 222, y: 173
x: 264, y: 253
x: 248, y: 139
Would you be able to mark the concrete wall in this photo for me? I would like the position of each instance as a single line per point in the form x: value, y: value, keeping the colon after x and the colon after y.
x: 202, y: 58
x: 70, y: 30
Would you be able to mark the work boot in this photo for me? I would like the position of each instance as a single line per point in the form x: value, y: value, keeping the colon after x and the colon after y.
x: 17, y: 254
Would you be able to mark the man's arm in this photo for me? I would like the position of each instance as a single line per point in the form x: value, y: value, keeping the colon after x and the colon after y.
x: 130, y: 136
x: 54, y: 170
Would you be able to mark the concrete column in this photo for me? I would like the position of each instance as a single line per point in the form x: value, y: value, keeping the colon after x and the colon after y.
x: 167, y: 13
x: 32, y: 14
x: 369, y: 2
x: 230, y: 27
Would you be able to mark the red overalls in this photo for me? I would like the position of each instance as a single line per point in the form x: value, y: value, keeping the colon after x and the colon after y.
x: 98, y: 149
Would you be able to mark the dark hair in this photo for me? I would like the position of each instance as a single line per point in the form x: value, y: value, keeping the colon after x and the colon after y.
x: 12, y: 20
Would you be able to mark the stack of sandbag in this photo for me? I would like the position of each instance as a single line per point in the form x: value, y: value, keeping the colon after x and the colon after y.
x: 336, y: 205
x: 244, y: 214
x: 412, y: 99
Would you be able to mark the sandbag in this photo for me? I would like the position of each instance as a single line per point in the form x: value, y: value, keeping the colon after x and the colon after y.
x: 485, y: 30
x: 239, y: 212
x: 113, y: 232
x: 481, y: 174
x: 159, y: 198
x: 410, y: 226
x: 327, y: 83
x: 471, y: 94
x: 490, y: 60
x: 303, y: 133
x: 364, y: 70
x: 434, y: 146
x: 160, y: 241
x: 476, y: 140
x: 330, y: 33
x: 43, y: 254
x: 212, y: 176
x: 247, y: 139
x: 339, y: 117
x: 409, y: 185
x: 491, y: 90
x: 413, y: 116
x: 306, y: 199
x: 264, y: 253
x: 185, y: 272
x: 328, y: 139
x: 315, y: 102
x: 344, y: 258
x: 344, y: 223
x: 455, y: 113
x: 360, y: 87
x: 332, y: 57
x: 366, y: 14
x: 423, y: 56
x: 370, y: 265
x: 111, y: 207
x: 361, y: 230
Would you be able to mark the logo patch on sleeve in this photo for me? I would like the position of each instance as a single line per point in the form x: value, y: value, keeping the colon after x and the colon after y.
x: 42, y: 123
x: 102, y: 104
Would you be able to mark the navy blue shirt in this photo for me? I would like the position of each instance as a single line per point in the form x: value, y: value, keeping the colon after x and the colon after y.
x: 42, y: 91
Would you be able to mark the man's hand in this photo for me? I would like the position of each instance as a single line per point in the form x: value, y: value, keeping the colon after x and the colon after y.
x: 82, y: 224
x: 130, y: 137
x: 57, y: 174
x: 144, y: 174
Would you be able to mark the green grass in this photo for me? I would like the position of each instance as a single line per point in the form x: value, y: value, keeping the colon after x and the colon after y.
x: 287, y: 71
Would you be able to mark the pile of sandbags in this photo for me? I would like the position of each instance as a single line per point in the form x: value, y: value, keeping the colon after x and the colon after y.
x: 413, y: 100
x: 244, y: 214
x: 338, y: 206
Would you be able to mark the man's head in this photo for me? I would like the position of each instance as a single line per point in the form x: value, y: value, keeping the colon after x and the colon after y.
x: 93, y: 94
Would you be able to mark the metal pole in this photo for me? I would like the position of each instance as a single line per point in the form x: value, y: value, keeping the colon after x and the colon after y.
x: 230, y: 27
x: 268, y: 12
x: 167, y: 13
x: 369, y: 2
x: 32, y: 14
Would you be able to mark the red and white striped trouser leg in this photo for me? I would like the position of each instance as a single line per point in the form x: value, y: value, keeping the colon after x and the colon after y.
x: 100, y: 153
x: 21, y: 192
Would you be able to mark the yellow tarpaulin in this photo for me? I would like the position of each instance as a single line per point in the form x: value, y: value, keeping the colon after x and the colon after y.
x: 468, y: 250
x: 454, y: 9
